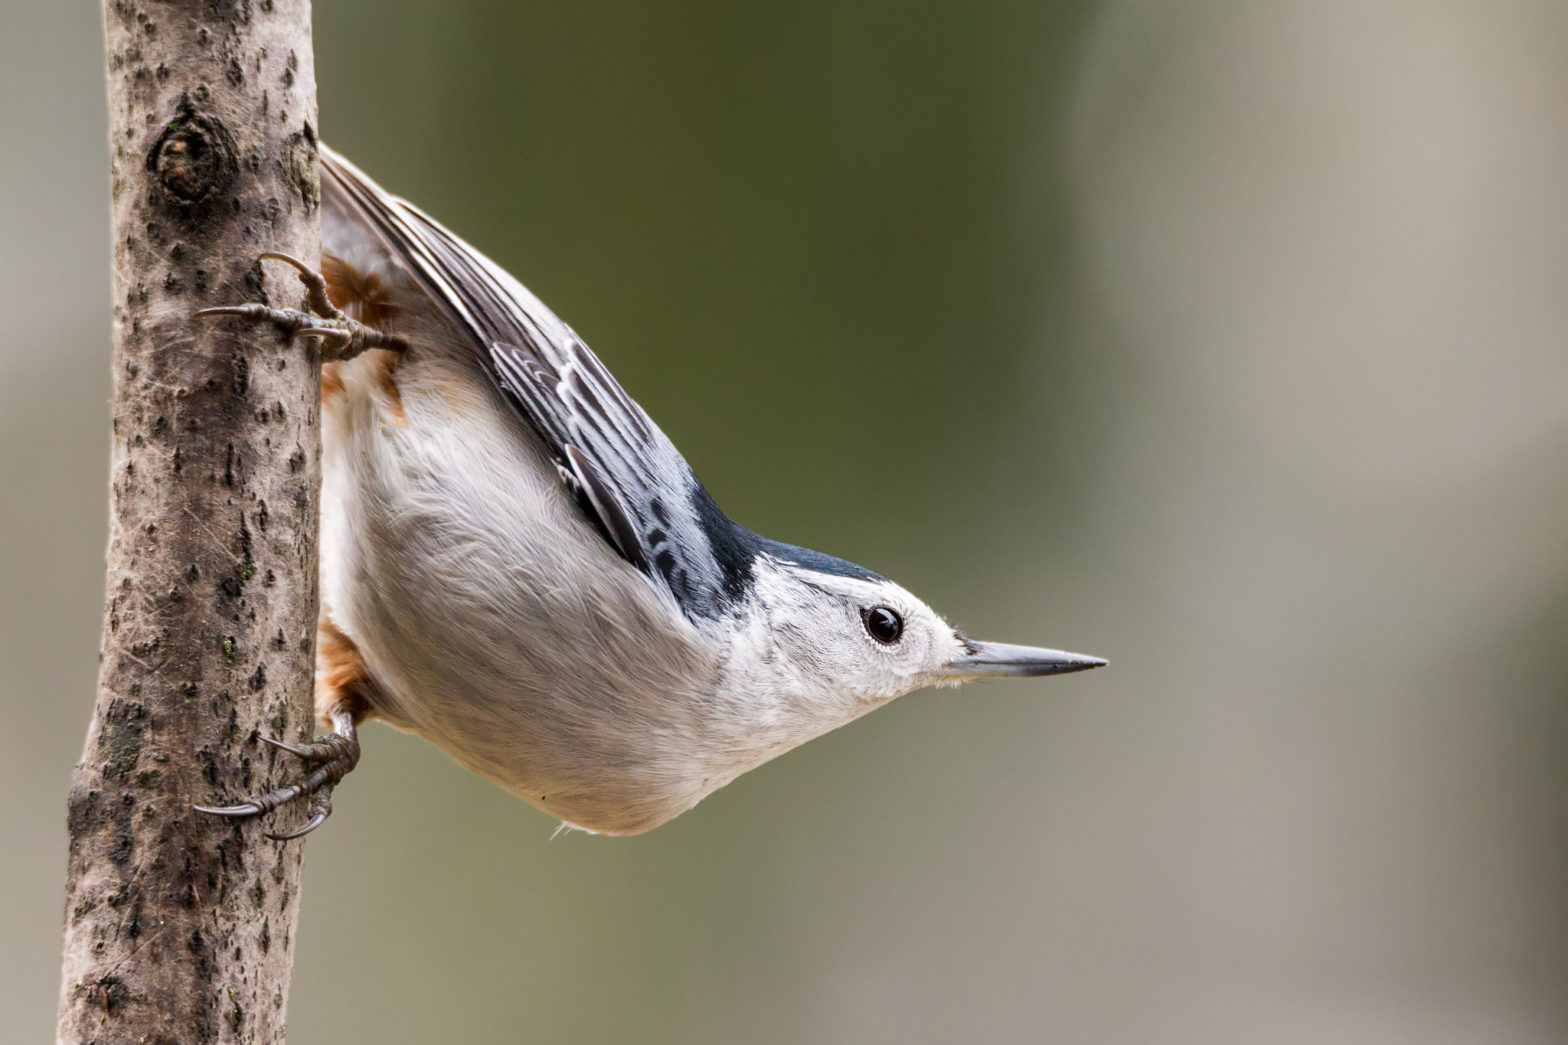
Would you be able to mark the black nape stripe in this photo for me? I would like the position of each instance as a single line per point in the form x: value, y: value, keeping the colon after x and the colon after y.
x: 816, y: 561
x: 736, y: 548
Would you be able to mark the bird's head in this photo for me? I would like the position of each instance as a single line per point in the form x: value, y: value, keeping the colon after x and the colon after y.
x: 841, y: 640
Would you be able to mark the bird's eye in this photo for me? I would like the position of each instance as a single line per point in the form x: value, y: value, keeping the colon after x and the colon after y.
x: 884, y: 625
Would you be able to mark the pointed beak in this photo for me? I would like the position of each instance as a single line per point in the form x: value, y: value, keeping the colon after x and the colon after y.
x: 1002, y: 660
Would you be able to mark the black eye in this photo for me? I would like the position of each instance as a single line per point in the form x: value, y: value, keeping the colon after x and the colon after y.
x: 884, y: 625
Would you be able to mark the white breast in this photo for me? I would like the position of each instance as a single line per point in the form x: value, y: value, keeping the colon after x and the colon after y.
x: 497, y: 622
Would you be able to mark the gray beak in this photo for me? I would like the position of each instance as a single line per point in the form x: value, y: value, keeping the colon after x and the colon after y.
x: 1002, y: 660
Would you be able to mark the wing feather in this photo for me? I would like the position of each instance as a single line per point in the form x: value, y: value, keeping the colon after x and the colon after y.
x: 623, y: 472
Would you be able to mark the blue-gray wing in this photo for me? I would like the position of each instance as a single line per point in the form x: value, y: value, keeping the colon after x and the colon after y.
x: 622, y: 471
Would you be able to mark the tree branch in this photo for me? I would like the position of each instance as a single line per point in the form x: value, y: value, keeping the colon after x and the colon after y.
x: 180, y: 927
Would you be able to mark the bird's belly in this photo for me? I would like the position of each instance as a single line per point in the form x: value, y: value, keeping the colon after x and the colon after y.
x: 494, y: 621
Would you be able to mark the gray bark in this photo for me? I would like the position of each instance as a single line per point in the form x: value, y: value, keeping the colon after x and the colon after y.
x: 179, y: 927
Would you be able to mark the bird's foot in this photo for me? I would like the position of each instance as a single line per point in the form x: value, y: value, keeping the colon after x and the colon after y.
x: 329, y: 759
x: 341, y: 337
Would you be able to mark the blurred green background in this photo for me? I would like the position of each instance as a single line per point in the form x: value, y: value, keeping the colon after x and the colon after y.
x: 1222, y: 339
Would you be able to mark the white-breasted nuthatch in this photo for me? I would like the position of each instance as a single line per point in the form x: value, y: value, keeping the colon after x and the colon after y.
x: 518, y: 565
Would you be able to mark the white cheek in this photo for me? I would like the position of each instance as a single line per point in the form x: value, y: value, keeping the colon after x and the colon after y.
x: 894, y: 670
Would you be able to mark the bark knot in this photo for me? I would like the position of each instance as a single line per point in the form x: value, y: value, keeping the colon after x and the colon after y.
x: 194, y: 159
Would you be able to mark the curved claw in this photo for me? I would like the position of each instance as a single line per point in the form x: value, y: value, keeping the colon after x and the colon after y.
x: 320, y: 809
x: 289, y: 259
x: 315, y: 284
x: 240, y: 810
x: 315, y: 821
x: 337, y: 337
x: 290, y: 748
x: 227, y: 310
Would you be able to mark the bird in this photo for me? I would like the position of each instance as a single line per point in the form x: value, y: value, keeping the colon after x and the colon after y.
x: 518, y: 565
